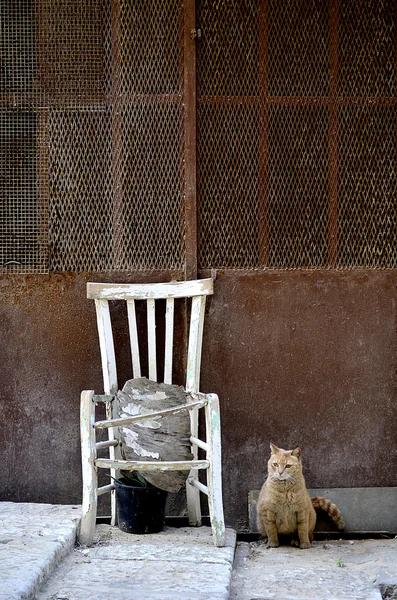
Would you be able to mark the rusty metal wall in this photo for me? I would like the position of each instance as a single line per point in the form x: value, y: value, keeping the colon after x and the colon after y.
x: 297, y: 130
x: 92, y: 141
x: 298, y: 358
x: 296, y: 159
x: 308, y: 359
x: 49, y: 353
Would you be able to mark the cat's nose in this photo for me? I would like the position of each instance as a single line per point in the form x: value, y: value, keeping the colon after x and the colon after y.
x: 280, y: 470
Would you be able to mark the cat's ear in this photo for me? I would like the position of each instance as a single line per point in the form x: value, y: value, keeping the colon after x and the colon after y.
x: 296, y: 452
x: 274, y: 448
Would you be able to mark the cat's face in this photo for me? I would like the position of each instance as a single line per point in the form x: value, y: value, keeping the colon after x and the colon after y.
x: 284, y: 465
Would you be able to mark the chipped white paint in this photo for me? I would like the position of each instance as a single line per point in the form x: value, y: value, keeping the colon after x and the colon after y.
x: 214, y: 472
x: 90, y: 475
x: 197, y: 484
x: 169, y: 339
x: 143, y: 291
x: 105, y: 489
x: 133, y: 410
x: 192, y: 384
x: 131, y: 439
x: 109, y: 372
x: 195, y: 344
x: 151, y: 336
x: 106, y: 346
x: 164, y: 465
x: 136, y: 363
x: 141, y: 417
x: 199, y: 443
x: 102, y: 293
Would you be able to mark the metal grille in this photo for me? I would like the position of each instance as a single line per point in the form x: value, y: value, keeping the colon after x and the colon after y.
x: 23, y: 217
x: 92, y: 138
x: 120, y: 204
x: 297, y: 225
x: 297, y: 134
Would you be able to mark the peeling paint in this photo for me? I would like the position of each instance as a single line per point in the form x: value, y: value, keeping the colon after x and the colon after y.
x: 130, y: 438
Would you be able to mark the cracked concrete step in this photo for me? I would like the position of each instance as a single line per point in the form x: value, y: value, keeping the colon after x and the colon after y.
x: 175, y: 564
x: 34, y: 538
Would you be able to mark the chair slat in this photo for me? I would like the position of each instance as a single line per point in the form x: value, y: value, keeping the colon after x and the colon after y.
x: 129, y: 291
x: 151, y: 465
x: 165, y: 412
x: 136, y: 363
x: 195, y: 344
x: 106, y: 346
x: 192, y: 384
x: 169, y: 339
x: 197, y: 484
x: 151, y: 335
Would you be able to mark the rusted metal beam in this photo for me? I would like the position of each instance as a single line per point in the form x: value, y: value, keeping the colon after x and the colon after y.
x: 263, y: 68
x: 190, y: 131
x: 333, y: 137
x: 117, y: 126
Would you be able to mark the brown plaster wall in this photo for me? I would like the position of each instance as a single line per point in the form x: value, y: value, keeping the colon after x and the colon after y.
x: 299, y: 358
x: 309, y: 359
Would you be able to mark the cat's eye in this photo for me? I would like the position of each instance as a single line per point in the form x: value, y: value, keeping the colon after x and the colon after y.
x: 275, y: 464
x: 288, y: 466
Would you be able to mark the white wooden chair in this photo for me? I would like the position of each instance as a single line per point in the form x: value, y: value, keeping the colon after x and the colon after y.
x: 131, y: 293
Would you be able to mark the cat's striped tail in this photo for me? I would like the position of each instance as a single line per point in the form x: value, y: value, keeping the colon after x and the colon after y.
x: 320, y: 503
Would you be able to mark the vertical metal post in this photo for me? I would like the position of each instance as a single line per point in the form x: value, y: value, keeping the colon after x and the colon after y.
x: 190, y: 129
x: 333, y: 136
x: 116, y: 116
x: 263, y: 136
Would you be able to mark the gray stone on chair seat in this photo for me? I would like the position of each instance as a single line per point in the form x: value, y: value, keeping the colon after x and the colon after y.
x: 165, y: 438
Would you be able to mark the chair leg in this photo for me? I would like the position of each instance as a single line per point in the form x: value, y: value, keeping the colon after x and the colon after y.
x: 214, y: 472
x: 89, y: 471
x: 192, y: 493
x: 193, y: 501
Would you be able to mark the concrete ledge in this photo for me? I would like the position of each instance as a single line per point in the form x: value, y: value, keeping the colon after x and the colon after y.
x: 365, y: 510
x: 34, y: 538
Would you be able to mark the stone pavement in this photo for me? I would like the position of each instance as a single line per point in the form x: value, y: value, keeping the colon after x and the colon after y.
x: 178, y: 564
x: 332, y: 570
x: 34, y: 538
x: 175, y: 564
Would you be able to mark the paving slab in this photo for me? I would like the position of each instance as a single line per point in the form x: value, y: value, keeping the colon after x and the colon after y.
x: 34, y: 538
x: 175, y: 564
x: 333, y: 570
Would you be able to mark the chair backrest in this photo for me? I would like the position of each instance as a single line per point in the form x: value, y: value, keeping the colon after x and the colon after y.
x: 102, y: 293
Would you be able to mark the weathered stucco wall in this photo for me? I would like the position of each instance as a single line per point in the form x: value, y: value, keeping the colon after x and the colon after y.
x: 304, y: 358
x: 309, y: 359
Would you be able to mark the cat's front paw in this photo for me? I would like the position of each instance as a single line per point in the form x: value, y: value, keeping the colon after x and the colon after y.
x: 305, y: 545
x: 272, y: 544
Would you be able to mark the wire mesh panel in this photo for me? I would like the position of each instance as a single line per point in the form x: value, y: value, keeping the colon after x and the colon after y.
x: 229, y: 228
x: 228, y: 134
x: 367, y: 218
x: 297, y: 47
x: 298, y: 192
x: 296, y: 123
x: 23, y: 222
x: 151, y: 221
x: 313, y: 184
x: 80, y: 187
x: 92, y: 137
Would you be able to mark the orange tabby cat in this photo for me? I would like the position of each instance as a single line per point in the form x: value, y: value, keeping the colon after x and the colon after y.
x: 284, y: 505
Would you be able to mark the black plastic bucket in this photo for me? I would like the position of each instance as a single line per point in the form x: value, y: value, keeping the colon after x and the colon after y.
x: 140, y: 509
